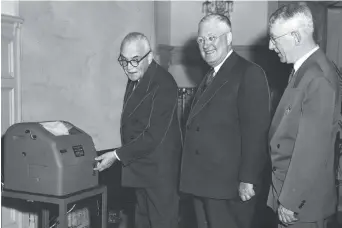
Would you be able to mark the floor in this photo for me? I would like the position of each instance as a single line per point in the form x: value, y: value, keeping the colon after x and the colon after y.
x: 187, y: 217
x: 338, y: 221
x: 187, y: 220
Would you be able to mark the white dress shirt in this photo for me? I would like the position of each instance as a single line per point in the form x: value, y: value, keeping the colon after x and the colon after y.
x: 217, y: 68
x: 301, y: 60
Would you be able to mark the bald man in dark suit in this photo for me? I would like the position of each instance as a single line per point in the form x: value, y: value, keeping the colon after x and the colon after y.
x: 151, y: 136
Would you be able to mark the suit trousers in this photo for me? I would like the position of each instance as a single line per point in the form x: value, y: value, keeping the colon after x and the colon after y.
x: 218, y: 213
x: 156, y: 207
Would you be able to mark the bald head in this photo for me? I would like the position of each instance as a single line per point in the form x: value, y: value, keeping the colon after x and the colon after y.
x: 135, y: 55
x: 221, y: 19
x: 136, y: 38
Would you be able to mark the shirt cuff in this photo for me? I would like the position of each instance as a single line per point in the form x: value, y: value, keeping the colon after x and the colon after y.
x: 116, y: 156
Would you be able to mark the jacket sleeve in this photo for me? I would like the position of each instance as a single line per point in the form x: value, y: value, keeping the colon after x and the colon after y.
x: 314, y: 138
x: 254, y: 118
x: 164, y: 104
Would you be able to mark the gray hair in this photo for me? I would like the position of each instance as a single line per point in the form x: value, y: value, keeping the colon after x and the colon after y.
x: 219, y: 17
x: 135, y: 36
x: 298, y: 12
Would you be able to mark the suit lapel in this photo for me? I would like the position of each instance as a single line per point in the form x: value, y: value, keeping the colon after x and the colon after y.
x: 297, y: 78
x: 199, y: 91
x: 280, y: 112
x: 134, y: 98
x: 222, y: 77
x: 128, y: 91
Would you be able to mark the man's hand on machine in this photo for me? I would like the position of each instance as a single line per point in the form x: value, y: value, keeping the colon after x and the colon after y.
x: 105, y: 160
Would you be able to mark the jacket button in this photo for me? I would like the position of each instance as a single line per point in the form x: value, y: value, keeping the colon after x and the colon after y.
x: 197, y: 152
x: 132, y: 137
x: 197, y: 129
x: 278, y: 145
x: 274, y: 168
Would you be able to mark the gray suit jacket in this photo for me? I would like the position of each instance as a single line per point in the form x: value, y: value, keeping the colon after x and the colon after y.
x: 302, y: 137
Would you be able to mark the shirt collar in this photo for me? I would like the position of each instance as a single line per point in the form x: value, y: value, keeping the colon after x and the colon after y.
x: 216, y: 69
x: 301, y: 60
x: 148, y: 74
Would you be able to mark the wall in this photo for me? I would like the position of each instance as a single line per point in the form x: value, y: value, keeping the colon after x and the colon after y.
x: 334, y: 36
x: 162, y: 21
x: 176, y: 36
x: 69, y: 62
x: 10, y: 7
x: 249, y: 20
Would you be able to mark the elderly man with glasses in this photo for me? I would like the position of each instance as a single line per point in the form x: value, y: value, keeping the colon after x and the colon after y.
x: 225, y: 145
x: 151, y: 136
x: 304, y: 127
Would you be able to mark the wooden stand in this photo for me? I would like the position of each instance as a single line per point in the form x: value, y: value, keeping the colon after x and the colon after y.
x: 62, y: 202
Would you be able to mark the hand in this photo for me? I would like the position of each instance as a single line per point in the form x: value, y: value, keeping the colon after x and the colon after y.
x: 105, y: 160
x: 246, y: 191
x: 285, y: 215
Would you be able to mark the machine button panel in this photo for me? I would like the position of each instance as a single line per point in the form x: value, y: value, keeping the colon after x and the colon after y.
x: 78, y: 150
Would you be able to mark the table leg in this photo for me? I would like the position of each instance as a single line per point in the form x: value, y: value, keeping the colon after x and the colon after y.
x: 45, y: 218
x: 62, y: 218
x: 104, y: 208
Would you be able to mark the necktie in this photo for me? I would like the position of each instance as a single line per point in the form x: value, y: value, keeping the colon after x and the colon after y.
x: 291, y: 75
x: 209, y: 78
x: 135, y: 85
x: 131, y: 88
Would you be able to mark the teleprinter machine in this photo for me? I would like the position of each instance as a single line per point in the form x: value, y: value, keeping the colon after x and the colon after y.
x: 52, y: 157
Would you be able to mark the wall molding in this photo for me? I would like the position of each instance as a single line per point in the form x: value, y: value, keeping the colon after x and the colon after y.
x: 11, y: 19
x: 190, y: 55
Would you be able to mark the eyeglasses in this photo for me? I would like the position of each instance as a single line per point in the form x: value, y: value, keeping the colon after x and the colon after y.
x: 210, y: 39
x: 273, y: 39
x: 134, y: 62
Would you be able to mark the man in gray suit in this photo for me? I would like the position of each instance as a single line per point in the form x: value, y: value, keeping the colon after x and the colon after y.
x: 304, y: 127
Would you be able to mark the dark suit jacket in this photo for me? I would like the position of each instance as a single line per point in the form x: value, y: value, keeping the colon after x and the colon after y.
x: 150, y: 132
x: 302, y: 137
x: 226, y: 133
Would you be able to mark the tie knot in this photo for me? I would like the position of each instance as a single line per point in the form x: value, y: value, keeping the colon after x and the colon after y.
x: 291, y: 75
x: 135, y: 83
x: 212, y: 71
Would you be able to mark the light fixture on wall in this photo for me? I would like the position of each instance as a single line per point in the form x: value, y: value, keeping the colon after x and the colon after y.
x: 220, y: 7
